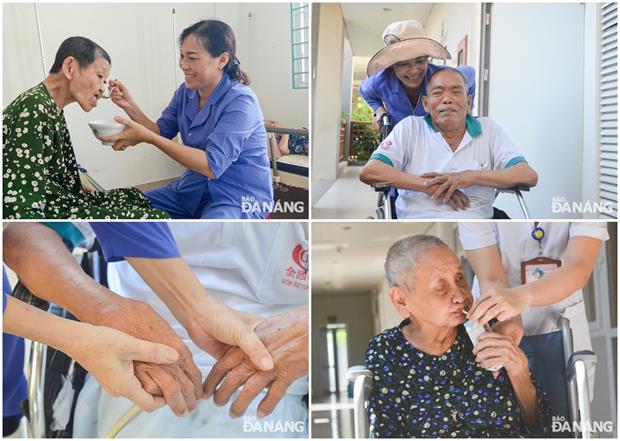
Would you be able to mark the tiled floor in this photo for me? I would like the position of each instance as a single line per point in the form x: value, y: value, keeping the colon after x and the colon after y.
x: 347, y: 198
x: 332, y: 417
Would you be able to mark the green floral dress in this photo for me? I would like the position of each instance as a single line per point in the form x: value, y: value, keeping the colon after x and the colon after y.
x: 40, y: 172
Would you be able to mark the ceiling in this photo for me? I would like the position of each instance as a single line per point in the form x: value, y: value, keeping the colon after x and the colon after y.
x: 365, y: 22
x: 348, y: 257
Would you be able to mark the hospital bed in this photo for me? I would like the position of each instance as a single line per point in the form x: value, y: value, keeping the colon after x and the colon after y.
x: 290, y: 175
x: 293, y: 164
x: 386, y: 195
x: 560, y: 372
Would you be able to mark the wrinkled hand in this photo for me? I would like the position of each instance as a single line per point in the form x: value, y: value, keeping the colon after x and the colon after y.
x: 457, y: 201
x: 512, y: 328
x: 496, y: 349
x: 449, y: 183
x: 286, y: 337
x: 179, y: 383
x: 120, y: 95
x: 109, y: 356
x: 214, y: 327
x: 134, y: 133
x: 499, y: 303
x: 271, y: 124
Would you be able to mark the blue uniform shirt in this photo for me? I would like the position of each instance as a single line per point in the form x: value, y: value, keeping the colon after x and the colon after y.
x: 230, y: 130
x: 13, y: 380
x: 135, y: 239
x: 385, y: 89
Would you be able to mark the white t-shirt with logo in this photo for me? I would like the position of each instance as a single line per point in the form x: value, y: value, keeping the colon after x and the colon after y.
x: 259, y: 268
x: 415, y: 147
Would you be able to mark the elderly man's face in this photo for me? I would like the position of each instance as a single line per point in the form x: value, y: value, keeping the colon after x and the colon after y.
x: 438, y: 290
x: 447, y: 100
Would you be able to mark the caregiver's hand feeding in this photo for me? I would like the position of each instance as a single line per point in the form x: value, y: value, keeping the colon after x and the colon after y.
x: 499, y: 303
x: 120, y: 95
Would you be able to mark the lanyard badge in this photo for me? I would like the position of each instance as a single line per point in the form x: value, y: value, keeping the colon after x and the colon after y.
x: 539, y: 267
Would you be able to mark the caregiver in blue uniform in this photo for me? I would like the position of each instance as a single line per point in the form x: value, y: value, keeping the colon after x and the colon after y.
x: 399, y: 72
x: 221, y: 126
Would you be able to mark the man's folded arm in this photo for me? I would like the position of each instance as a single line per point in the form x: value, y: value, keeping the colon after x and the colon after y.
x: 377, y: 171
x: 520, y: 173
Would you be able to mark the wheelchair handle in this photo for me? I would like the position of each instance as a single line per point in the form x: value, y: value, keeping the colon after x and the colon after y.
x: 386, y: 125
x: 355, y: 371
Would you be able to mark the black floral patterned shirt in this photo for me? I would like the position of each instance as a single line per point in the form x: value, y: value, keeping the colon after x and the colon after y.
x: 420, y: 395
x: 40, y: 172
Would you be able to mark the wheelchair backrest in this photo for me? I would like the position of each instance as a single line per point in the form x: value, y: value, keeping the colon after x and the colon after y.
x: 545, y: 354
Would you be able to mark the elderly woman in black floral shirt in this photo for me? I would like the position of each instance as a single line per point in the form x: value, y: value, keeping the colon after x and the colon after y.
x: 429, y: 380
x: 40, y: 172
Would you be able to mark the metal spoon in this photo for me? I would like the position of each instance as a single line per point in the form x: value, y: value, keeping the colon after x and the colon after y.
x: 107, y: 94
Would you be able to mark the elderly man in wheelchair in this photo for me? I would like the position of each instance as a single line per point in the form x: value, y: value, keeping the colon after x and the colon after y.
x: 447, y: 164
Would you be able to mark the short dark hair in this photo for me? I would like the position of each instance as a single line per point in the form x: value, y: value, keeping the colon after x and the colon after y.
x: 216, y: 38
x: 449, y: 69
x: 85, y: 51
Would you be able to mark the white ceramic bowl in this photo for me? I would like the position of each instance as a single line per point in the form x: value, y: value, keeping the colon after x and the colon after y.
x: 105, y: 128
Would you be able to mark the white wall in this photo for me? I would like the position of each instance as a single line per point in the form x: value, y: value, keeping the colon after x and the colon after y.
x: 327, y: 92
x: 536, y: 95
x: 388, y: 316
x: 268, y: 62
x: 591, y: 103
x: 457, y: 20
x: 347, y: 77
x: 143, y: 45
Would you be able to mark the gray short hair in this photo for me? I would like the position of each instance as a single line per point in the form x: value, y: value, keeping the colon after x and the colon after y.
x: 449, y: 69
x: 403, y: 257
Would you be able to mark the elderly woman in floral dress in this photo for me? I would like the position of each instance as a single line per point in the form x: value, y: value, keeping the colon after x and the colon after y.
x: 40, y: 172
x: 429, y: 379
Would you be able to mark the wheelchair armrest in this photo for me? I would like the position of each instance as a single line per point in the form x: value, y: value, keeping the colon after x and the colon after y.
x: 586, y: 356
x: 381, y: 188
x: 518, y: 187
x: 355, y: 371
x: 361, y: 377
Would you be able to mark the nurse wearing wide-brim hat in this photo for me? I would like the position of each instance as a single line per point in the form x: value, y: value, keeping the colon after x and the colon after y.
x: 398, y: 73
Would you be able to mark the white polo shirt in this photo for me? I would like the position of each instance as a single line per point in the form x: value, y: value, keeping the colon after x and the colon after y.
x: 416, y: 147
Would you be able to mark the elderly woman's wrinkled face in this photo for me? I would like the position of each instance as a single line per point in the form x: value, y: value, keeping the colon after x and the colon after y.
x: 87, y: 84
x: 411, y: 72
x: 200, y: 68
x: 447, y: 99
x: 438, y: 292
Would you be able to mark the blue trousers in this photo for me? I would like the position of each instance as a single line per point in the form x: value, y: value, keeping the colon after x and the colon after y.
x: 165, y: 198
